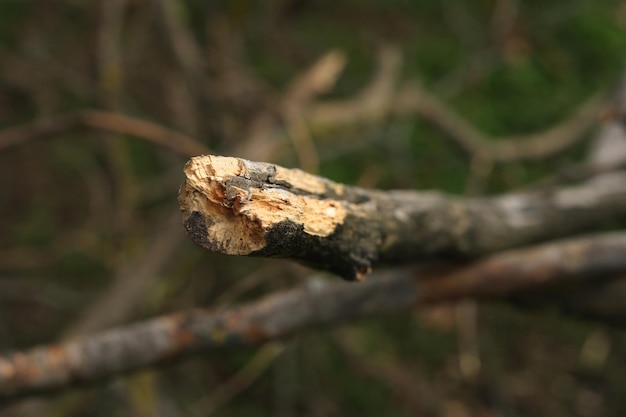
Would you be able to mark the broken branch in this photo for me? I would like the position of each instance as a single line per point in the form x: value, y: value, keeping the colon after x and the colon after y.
x: 238, y: 207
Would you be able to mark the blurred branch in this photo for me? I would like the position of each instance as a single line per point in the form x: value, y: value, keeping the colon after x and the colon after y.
x: 589, y: 261
x: 415, y: 99
x: 122, y: 349
x: 556, y: 264
x: 372, y: 104
x: 188, y: 56
x: 111, y: 74
x: 184, y: 47
x: 607, y: 150
x: 319, y: 78
x: 102, y: 120
x: 239, y: 207
x: 382, y: 98
x: 109, y: 56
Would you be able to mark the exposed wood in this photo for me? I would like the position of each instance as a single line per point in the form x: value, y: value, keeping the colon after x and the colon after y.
x: 238, y: 207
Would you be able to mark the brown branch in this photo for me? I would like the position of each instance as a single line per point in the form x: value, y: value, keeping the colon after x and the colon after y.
x: 372, y: 104
x: 239, y: 207
x: 585, y: 261
x: 319, y: 78
x: 381, y: 99
x: 101, y: 120
x: 551, y: 265
x: 152, y: 342
x: 415, y: 99
x: 608, y: 153
x: 181, y: 41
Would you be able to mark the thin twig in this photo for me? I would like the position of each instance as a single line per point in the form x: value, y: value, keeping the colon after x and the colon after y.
x: 102, y: 120
x: 415, y: 99
x: 313, y: 81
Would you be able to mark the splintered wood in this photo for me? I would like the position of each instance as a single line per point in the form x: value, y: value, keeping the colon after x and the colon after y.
x: 230, y: 205
x: 241, y: 208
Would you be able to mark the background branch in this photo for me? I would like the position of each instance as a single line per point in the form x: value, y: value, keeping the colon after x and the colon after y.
x: 570, y: 263
x: 406, y: 95
x: 102, y: 120
x: 571, y: 130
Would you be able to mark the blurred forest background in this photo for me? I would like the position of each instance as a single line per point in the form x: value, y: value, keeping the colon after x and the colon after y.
x: 102, y: 102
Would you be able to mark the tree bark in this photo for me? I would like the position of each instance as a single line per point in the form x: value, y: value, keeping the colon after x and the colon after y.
x: 239, y: 207
x: 584, y: 276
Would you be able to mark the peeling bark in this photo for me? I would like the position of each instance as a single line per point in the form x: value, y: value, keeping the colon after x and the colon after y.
x: 239, y: 207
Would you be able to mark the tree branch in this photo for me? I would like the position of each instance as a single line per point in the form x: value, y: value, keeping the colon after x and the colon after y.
x: 586, y: 263
x: 102, y: 120
x: 569, y: 131
x: 239, y: 207
x: 155, y: 341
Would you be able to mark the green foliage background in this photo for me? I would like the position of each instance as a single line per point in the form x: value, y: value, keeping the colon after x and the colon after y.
x: 78, y: 205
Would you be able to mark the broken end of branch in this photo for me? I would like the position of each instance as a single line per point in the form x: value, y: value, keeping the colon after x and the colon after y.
x: 238, y: 207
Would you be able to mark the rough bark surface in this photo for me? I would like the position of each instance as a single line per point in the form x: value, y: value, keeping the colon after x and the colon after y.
x: 239, y: 207
x: 93, y: 357
x: 585, y: 276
